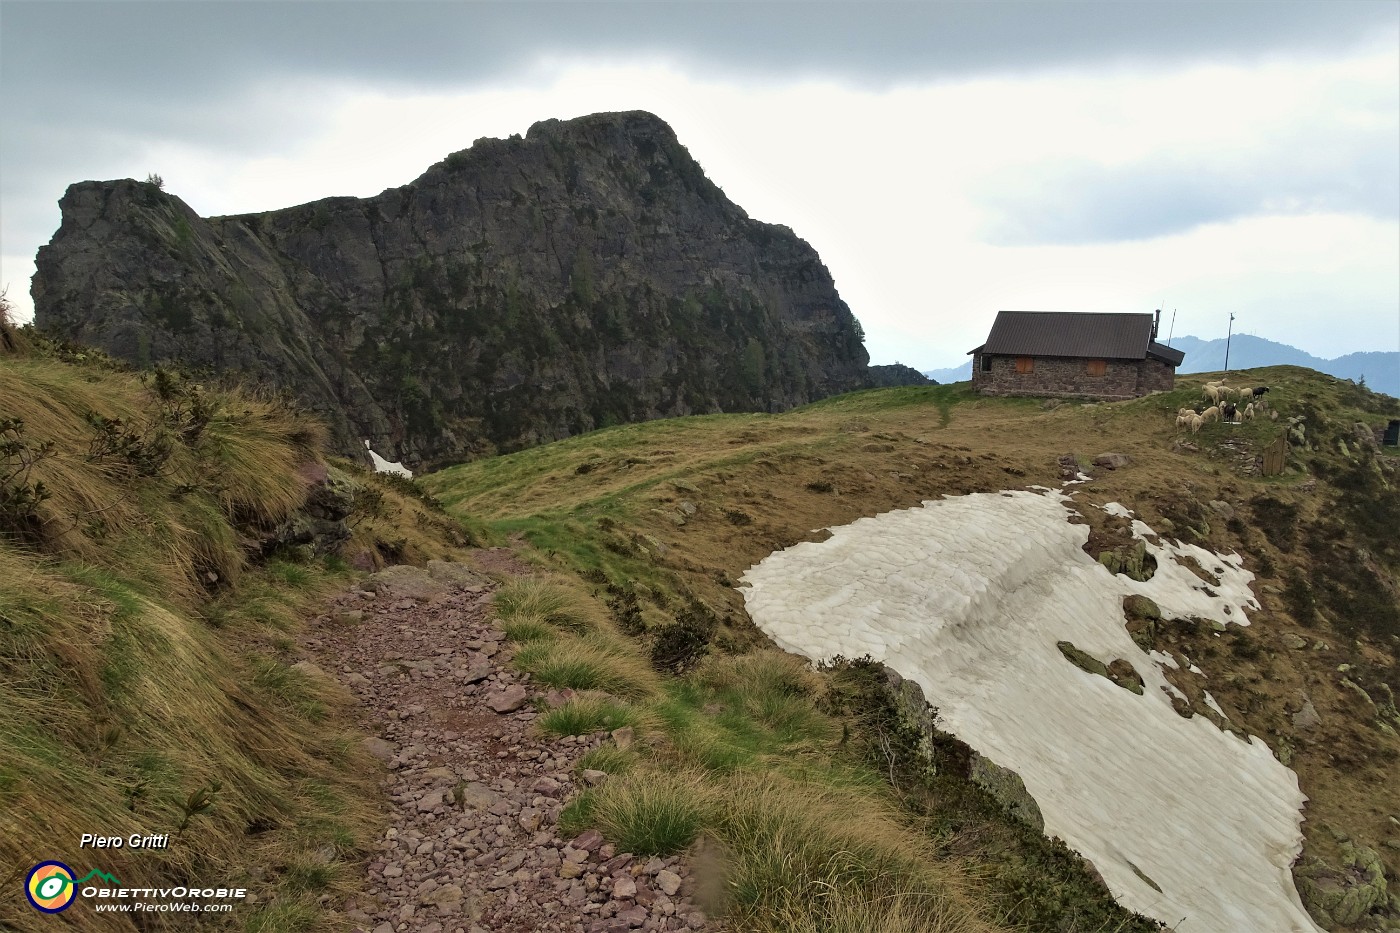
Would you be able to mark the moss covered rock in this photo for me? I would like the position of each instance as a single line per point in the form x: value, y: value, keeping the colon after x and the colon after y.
x: 1343, y: 895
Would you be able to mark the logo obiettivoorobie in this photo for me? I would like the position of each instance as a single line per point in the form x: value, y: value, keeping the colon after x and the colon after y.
x: 50, y: 887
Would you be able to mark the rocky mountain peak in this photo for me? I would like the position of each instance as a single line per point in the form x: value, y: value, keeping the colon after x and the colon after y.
x: 519, y: 291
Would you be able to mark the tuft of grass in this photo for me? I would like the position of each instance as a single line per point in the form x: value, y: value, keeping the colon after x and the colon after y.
x: 578, y: 814
x: 591, y: 662
x: 586, y: 715
x: 524, y: 631
x: 286, y: 573
x: 646, y: 816
x: 609, y: 758
x: 785, y: 855
x: 548, y: 602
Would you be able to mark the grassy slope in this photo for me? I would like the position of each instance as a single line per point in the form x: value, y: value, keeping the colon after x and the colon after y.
x: 147, y: 653
x: 675, y: 511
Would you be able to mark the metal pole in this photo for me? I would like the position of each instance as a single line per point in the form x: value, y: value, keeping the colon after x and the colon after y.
x: 1173, y: 328
x: 1228, y: 335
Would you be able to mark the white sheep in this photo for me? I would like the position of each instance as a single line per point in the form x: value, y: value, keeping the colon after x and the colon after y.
x: 1212, y: 392
x: 1196, y: 422
x: 1248, y: 412
x: 1211, y: 414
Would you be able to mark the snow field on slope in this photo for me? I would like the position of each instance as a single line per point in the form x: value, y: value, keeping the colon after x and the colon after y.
x: 968, y: 597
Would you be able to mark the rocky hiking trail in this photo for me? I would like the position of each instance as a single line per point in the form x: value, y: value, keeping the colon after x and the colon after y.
x: 473, y: 791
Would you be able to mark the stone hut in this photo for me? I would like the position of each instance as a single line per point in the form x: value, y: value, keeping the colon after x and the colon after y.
x: 1071, y: 355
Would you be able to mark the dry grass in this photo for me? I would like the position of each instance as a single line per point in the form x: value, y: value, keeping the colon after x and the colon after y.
x: 595, y: 661
x: 787, y: 855
x: 172, y: 506
x: 12, y: 342
x: 549, y: 602
x: 678, y: 510
x: 118, y: 699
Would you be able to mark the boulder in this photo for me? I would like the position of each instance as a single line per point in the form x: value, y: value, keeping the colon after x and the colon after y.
x: 455, y: 574
x: 1082, y: 659
x: 508, y: 700
x: 1122, y: 673
x: 379, y: 748
x: 319, y: 526
x: 1306, y: 718
x: 1131, y: 560
x: 1112, y: 461
x: 1008, y: 789
x: 405, y: 582
x: 1342, y: 895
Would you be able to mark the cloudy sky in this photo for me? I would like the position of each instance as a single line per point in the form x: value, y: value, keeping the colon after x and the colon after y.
x: 946, y: 159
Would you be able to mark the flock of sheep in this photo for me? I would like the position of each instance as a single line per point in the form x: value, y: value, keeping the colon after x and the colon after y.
x: 1222, y: 408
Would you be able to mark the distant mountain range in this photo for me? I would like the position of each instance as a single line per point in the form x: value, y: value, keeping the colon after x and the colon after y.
x: 1380, y: 369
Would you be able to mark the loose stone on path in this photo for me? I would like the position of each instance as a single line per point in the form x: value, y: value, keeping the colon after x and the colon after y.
x: 474, y: 793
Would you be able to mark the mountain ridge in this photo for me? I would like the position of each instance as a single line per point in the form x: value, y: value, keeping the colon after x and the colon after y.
x: 518, y: 291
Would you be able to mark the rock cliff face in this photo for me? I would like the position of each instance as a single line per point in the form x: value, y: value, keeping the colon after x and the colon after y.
x: 520, y: 291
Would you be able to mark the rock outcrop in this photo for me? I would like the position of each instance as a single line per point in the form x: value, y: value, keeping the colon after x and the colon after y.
x: 891, y: 375
x: 520, y: 291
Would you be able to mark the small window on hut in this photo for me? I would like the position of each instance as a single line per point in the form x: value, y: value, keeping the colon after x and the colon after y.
x: 1097, y: 367
x: 986, y: 364
x: 1025, y: 364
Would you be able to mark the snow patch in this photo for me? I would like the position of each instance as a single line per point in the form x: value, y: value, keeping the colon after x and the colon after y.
x: 968, y: 597
x: 1164, y: 659
x: 384, y: 466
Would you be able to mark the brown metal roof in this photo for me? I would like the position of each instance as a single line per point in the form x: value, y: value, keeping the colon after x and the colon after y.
x: 1119, y: 336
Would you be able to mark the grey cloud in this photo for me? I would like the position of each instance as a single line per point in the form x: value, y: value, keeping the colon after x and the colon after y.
x: 86, y: 85
x: 186, y: 49
x: 1328, y: 169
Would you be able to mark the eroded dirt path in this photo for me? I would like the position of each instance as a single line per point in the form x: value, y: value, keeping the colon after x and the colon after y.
x: 474, y: 793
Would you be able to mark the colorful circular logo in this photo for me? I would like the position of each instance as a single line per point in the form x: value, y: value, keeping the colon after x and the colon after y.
x: 50, y: 887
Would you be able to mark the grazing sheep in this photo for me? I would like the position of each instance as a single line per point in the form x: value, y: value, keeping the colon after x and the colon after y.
x: 1183, y: 419
x: 1228, y: 392
x: 1212, y: 392
x: 1227, y: 410
x: 1248, y: 414
x: 1211, y: 414
x: 1258, y: 391
x: 1196, y: 422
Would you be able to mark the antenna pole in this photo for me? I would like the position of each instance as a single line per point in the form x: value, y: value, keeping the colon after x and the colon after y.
x: 1230, y: 333
x: 1173, y: 328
